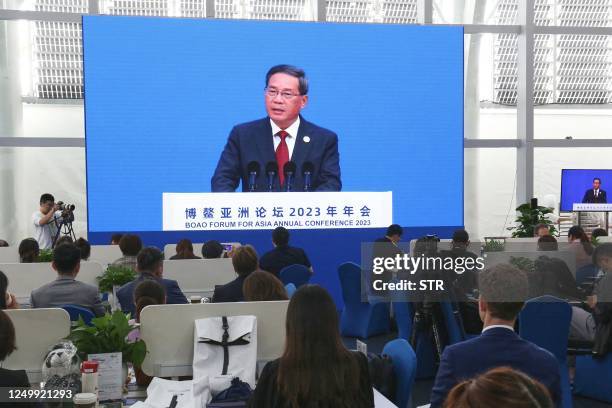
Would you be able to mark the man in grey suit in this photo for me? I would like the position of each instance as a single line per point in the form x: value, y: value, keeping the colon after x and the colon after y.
x: 65, y: 289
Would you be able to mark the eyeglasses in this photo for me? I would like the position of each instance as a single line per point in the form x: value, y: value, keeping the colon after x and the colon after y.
x: 286, y: 95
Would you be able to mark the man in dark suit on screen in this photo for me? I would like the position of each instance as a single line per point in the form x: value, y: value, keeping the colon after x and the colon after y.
x: 281, y: 137
x: 596, y: 194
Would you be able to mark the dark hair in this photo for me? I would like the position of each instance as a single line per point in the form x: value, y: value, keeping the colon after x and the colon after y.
x: 66, y: 257
x: 65, y: 239
x: 262, y: 286
x: 184, y: 246
x: 46, y: 198
x: 3, y: 287
x: 504, y: 288
x: 7, y: 336
x: 148, y: 259
x: 598, y: 179
x: 499, y: 387
x: 316, y: 369
x: 130, y: 245
x: 294, y: 72
x: 394, y: 229
x: 245, y: 260
x: 280, y: 236
x: 3, y: 243
x: 539, y: 227
x: 115, y: 238
x: 547, y: 243
x: 599, y: 232
x: 212, y: 249
x: 84, y: 247
x: 461, y: 236
x: 602, y: 250
x: 148, y: 292
x: 577, y: 232
x: 28, y: 250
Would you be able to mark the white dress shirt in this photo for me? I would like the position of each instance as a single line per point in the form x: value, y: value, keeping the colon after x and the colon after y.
x: 291, y: 137
x: 493, y: 326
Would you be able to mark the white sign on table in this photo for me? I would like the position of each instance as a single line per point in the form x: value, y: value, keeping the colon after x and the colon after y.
x: 296, y: 210
x: 593, y: 207
x: 110, y: 377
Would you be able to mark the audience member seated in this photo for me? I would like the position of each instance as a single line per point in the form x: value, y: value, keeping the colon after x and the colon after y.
x: 464, y: 284
x: 316, y: 369
x: 581, y: 245
x: 130, y: 246
x: 386, y: 247
x: 244, y: 262
x: 503, y: 289
x: 594, y: 324
x: 3, y: 243
x: 184, y: 250
x: 599, y: 232
x: 282, y: 255
x: 212, y: 249
x: 28, y: 251
x: 66, y: 289
x: 7, y: 299
x: 10, y: 378
x: 501, y: 387
x: 115, y: 238
x: 541, y: 230
x: 150, y: 265
x: 551, y: 275
x: 147, y: 293
x: 263, y: 286
x: 64, y: 239
x: 84, y: 247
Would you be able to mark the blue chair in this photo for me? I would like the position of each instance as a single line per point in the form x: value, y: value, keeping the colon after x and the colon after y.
x: 76, y: 311
x: 545, y: 321
x: 404, y: 316
x: 593, y: 377
x: 360, y: 319
x: 290, y: 288
x: 404, y: 366
x: 297, y: 274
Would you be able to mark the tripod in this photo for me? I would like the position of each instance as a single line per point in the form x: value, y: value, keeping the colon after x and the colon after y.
x: 428, y: 317
x: 65, y: 224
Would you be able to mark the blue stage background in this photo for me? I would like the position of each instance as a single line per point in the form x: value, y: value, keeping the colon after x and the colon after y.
x: 162, y: 95
x: 575, y: 182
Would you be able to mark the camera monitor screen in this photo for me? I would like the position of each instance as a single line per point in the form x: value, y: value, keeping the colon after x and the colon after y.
x: 166, y: 98
x: 584, y: 186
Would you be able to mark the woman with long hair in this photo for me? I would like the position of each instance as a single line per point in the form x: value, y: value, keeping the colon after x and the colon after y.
x: 316, y: 370
x: 7, y: 299
x: 28, y: 250
x: 581, y: 245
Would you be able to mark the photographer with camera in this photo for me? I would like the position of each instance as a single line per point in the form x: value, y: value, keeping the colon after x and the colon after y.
x: 46, y: 220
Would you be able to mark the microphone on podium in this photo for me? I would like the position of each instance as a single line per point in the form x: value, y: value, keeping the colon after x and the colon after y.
x: 289, y: 171
x: 307, y: 170
x: 271, y: 170
x: 253, y: 169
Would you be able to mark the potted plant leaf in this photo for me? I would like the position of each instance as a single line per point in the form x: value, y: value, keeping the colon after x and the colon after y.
x: 113, y: 278
x: 528, y: 217
x: 45, y: 255
x: 109, y: 334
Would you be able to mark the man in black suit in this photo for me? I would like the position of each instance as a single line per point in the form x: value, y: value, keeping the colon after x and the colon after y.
x: 596, y: 194
x: 503, y: 289
x: 281, y: 137
x: 244, y: 261
x: 283, y: 255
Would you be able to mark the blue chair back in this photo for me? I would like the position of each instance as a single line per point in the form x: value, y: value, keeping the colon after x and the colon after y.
x: 297, y: 274
x: 585, y: 273
x: 453, y: 323
x: 545, y: 321
x: 75, y: 311
x: 404, y: 315
x: 593, y: 377
x: 290, y: 288
x: 404, y: 366
x: 350, y: 281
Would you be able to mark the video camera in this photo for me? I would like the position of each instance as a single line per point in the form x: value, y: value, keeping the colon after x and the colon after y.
x: 67, y: 211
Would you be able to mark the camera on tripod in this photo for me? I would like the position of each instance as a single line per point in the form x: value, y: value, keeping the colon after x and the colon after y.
x: 64, y: 223
x: 67, y: 210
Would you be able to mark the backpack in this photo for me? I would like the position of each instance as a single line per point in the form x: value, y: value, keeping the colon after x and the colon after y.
x: 236, y: 396
x: 382, y: 375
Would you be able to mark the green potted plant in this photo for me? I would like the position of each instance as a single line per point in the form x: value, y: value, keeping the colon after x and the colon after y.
x: 528, y: 217
x: 113, y: 278
x: 45, y: 255
x: 108, y: 334
x: 494, y: 244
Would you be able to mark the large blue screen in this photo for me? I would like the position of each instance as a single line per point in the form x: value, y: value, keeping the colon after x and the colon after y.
x: 576, y: 182
x: 161, y: 96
